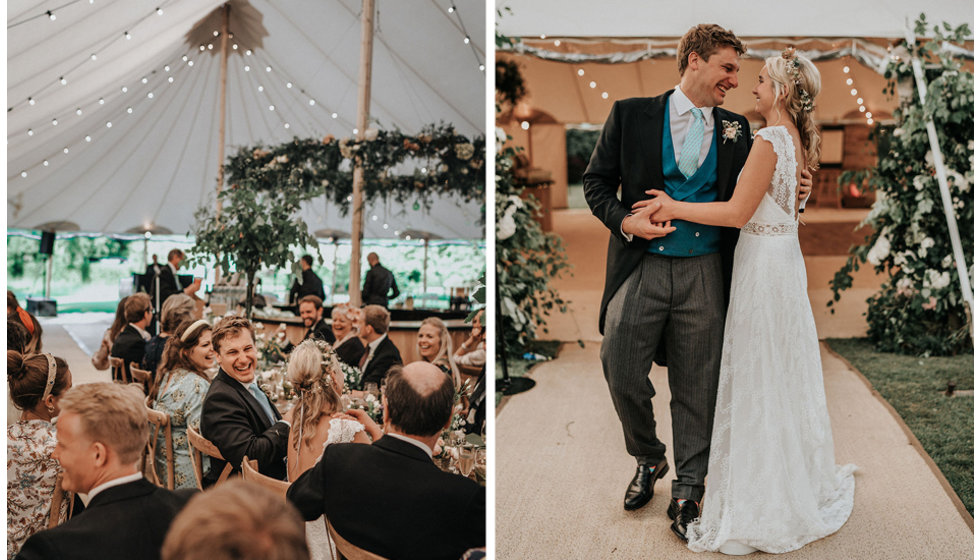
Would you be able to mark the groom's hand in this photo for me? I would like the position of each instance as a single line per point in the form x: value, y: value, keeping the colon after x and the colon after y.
x: 640, y: 222
x: 806, y: 184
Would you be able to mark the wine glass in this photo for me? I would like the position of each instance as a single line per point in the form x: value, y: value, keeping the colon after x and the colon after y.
x: 467, y: 459
x: 372, y: 389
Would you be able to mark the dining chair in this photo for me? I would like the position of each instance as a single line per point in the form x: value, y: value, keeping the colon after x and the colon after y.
x: 54, y: 518
x: 348, y: 550
x: 160, y: 421
x: 250, y: 471
x: 119, y: 373
x: 200, y: 447
x: 141, y: 376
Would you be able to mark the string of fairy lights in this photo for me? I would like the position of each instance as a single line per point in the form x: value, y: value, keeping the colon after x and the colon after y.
x: 849, y: 82
x: 466, y: 37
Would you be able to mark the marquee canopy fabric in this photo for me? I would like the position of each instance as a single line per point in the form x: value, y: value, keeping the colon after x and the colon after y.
x: 113, y: 105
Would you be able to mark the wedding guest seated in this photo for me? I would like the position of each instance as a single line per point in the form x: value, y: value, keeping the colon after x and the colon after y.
x: 101, y: 357
x: 311, y: 311
x: 320, y: 422
x: 426, y: 513
x: 238, y: 520
x: 36, y: 383
x: 380, y: 353
x: 345, y: 325
x: 237, y: 416
x: 102, y: 429
x: 436, y: 347
x: 131, y: 342
x: 175, y: 311
x: 178, y: 389
x: 471, y: 356
x: 18, y: 314
x: 17, y: 336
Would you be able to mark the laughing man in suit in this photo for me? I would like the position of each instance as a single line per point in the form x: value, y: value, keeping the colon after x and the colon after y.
x: 236, y: 415
x: 427, y: 513
x: 380, y: 353
x: 102, y: 430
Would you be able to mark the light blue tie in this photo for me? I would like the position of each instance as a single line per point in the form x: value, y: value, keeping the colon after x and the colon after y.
x: 691, y: 151
x: 253, y: 388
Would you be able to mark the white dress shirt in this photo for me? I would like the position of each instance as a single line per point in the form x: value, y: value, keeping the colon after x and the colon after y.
x: 86, y: 498
x: 414, y: 442
x: 681, y: 120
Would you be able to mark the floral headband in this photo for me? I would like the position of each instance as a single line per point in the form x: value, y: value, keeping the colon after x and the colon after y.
x: 789, y: 54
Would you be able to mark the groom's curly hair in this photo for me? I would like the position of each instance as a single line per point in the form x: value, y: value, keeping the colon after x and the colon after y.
x: 705, y: 39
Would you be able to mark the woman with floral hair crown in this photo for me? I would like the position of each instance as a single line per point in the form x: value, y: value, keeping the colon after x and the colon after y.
x: 319, y: 420
x: 773, y: 484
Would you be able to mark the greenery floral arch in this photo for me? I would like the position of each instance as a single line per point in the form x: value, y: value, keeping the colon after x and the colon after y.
x: 259, y: 226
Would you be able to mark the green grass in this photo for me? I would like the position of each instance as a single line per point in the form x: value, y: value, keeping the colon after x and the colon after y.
x: 914, y: 387
x: 518, y: 367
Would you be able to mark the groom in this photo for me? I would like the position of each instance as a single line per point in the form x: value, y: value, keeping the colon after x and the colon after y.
x: 667, y: 284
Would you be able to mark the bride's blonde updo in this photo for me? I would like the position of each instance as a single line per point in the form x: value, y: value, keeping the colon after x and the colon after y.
x: 798, y: 79
x: 310, y: 370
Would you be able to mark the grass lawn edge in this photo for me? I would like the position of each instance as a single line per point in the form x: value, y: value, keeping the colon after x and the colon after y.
x: 913, y: 440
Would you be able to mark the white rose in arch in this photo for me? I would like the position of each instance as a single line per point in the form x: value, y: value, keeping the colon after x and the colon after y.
x: 879, y: 250
x: 506, y: 227
x: 371, y: 134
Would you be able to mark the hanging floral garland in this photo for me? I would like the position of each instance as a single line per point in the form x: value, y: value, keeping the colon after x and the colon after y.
x: 401, y: 168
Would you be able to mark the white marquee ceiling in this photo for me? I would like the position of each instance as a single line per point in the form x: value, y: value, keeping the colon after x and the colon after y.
x: 143, y: 150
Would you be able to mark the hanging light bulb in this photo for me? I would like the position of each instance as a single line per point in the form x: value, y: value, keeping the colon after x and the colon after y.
x: 289, y: 85
x: 124, y: 89
x: 261, y: 89
x: 54, y: 122
x: 30, y: 132
x: 78, y: 111
x: 129, y: 110
x: 88, y: 138
x: 128, y: 36
x: 847, y: 69
x: 108, y: 124
x: 23, y: 173
x: 272, y: 107
x: 63, y: 81
x: 144, y: 80
x: 581, y: 72
x: 30, y: 101
x: 51, y: 15
x: 605, y: 95
x: 592, y: 85
x: 860, y: 100
x: 101, y: 101
x: 482, y: 68
x: 861, y: 108
x: 190, y: 63
x: 45, y: 163
x: 333, y: 115
x: 247, y: 68
x: 235, y: 46
x: 286, y: 125
x: 65, y: 150
x: 94, y: 57
x: 170, y: 79
x: 452, y: 9
x: 268, y: 69
x: 159, y: 11
x: 312, y: 102
x: 466, y: 40
x: 849, y: 81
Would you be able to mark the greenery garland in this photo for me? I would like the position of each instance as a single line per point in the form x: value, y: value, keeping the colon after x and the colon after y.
x: 259, y: 224
x: 919, y: 310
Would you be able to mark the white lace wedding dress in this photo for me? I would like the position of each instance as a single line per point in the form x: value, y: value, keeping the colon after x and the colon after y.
x: 342, y: 430
x: 772, y: 483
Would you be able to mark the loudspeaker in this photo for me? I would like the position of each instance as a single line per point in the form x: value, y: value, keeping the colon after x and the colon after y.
x: 41, y: 307
x: 47, y: 243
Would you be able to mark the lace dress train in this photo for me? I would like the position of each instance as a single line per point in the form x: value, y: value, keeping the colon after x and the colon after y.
x: 342, y: 430
x: 772, y: 483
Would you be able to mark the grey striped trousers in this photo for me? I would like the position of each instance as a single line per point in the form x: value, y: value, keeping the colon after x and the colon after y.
x: 677, y: 301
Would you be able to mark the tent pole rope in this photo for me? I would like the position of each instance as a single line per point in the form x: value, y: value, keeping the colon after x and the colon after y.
x: 363, y: 110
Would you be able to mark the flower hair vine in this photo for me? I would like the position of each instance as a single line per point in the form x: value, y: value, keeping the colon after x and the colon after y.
x: 789, y: 54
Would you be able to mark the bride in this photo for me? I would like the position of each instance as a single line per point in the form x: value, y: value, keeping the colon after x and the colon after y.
x: 772, y: 482
x: 319, y: 421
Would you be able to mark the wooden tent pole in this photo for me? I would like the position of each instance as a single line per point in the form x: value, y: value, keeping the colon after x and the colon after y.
x: 226, y: 11
x: 363, y: 111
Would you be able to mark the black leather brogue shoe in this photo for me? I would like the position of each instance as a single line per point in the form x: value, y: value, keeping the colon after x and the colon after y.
x: 682, y: 515
x: 640, y: 489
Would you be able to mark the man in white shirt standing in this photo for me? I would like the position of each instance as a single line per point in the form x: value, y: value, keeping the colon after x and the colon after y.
x: 102, y: 430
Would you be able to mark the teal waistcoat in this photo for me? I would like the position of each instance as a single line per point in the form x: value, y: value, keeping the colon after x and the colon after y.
x: 690, y: 239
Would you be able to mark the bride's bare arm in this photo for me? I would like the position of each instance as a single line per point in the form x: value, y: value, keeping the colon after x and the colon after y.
x: 752, y: 185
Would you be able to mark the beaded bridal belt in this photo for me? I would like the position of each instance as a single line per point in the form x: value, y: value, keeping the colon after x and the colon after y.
x: 769, y: 229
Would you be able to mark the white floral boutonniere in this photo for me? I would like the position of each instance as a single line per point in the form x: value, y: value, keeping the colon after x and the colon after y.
x: 731, y: 130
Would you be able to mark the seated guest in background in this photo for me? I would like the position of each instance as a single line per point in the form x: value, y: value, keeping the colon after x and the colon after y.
x: 426, y: 513
x: 237, y: 416
x: 320, y: 422
x: 178, y: 389
x: 36, y: 383
x: 380, y: 353
x: 345, y: 327
x: 175, y: 311
x: 311, y: 311
x: 309, y: 284
x: 238, y: 520
x: 471, y: 356
x: 101, y: 357
x: 131, y: 342
x: 436, y: 347
x: 17, y: 314
x: 102, y: 429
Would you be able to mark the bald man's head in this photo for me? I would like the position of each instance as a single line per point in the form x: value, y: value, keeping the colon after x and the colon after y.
x: 420, y: 398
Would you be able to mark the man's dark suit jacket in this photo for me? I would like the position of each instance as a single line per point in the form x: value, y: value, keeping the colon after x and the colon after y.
x: 384, y: 357
x: 312, y: 286
x: 628, y: 153
x: 350, y: 351
x: 378, y: 282
x: 234, y: 421
x: 426, y: 514
x: 129, y: 346
x: 168, y: 287
x: 127, y: 521
x: 319, y: 331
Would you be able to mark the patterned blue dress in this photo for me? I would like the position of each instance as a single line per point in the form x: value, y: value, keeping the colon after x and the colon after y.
x: 181, y: 398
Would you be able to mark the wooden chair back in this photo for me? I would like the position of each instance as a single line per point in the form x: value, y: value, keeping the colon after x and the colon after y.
x: 350, y: 551
x: 160, y: 422
x: 250, y: 471
x: 119, y: 373
x: 199, y: 448
x: 141, y: 376
x: 59, y: 496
